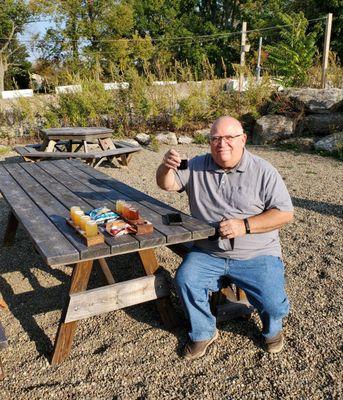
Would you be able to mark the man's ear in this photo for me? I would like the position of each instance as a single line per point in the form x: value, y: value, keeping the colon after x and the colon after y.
x: 245, y: 138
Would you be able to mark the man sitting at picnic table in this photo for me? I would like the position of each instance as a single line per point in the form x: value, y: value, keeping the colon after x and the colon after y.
x: 245, y: 198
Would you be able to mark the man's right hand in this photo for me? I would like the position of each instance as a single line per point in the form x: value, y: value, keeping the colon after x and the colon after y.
x: 165, y: 176
x: 171, y: 159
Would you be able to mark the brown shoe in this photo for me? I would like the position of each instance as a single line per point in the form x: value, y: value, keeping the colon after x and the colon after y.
x: 193, y: 350
x: 276, y: 343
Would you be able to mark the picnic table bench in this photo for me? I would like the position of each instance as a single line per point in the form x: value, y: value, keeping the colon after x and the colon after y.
x: 66, y: 143
x: 40, y: 196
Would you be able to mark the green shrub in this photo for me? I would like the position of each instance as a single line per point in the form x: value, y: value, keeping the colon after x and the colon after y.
x: 293, y: 55
x: 200, y: 138
x: 81, y: 108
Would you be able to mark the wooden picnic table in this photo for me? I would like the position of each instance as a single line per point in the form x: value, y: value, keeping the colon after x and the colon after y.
x: 78, y: 136
x: 92, y: 144
x: 40, y: 196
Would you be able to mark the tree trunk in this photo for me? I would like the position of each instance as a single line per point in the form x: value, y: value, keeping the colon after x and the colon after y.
x: 3, y: 69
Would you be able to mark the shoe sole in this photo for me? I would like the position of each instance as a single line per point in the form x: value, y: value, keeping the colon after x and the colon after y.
x: 191, y: 357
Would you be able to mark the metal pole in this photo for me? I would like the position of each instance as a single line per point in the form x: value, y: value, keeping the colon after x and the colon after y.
x: 326, y: 49
x: 258, y: 68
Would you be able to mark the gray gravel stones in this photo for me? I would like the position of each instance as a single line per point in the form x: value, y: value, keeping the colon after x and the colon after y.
x: 129, y: 355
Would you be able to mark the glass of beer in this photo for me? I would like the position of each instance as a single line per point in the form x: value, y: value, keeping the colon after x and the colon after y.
x: 133, y: 213
x: 119, y: 206
x: 83, y: 221
x: 91, y: 228
x: 184, y: 162
x: 72, y: 211
x: 77, y: 217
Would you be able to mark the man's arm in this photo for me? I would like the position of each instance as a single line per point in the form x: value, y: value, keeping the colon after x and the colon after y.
x: 165, y: 176
x: 265, y: 222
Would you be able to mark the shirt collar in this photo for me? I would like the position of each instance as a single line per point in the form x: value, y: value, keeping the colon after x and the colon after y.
x: 240, y: 167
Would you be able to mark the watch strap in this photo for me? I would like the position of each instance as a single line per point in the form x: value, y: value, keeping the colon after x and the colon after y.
x: 247, y: 226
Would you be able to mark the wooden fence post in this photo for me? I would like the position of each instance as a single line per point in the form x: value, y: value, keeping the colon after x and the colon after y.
x: 326, y: 49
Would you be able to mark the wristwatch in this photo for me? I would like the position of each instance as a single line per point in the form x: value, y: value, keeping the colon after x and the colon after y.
x: 247, y: 226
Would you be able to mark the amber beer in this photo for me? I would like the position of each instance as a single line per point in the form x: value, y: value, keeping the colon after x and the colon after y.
x: 72, y: 212
x: 91, y: 228
x: 83, y: 221
x: 77, y: 217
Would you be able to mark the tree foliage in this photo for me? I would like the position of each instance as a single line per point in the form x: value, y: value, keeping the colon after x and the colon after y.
x: 180, y: 38
x: 13, y: 16
x: 293, y: 54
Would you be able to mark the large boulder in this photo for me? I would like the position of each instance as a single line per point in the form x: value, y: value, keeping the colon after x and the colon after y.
x: 130, y: 141
x: 272, y: 128
x: 184, y: 140
x: 332, y: 143
x: 143, y: 138
x: 167, y: 138
x: 321, y: 124
x: 319, y: 101
x: 203, y: 132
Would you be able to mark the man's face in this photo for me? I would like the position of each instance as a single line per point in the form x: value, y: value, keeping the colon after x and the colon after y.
x: 227, y: 143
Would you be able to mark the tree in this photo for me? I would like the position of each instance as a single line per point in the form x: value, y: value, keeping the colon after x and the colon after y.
x: 292, y: 55
x: 14, y: 14
x: 88, y: 33
x: 319, y: 8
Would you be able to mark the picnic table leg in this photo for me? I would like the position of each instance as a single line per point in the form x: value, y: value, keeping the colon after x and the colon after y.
x: 66, y: 331
x: 85, y: 146
x: 124, y: 160
x: 11, y: 229
x: 2, y: 371
x: 164, y: 306
x: 48, y: 146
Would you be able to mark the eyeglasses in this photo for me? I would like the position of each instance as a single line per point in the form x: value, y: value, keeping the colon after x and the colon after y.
x: 226, y: 139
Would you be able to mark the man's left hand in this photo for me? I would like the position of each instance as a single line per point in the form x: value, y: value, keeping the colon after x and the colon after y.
x: 231, y: 228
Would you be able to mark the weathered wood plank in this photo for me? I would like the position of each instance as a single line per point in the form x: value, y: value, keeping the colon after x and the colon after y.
x: 82, y: 133
x: 66, y: 331
x: 198, y: 229
x: 106, y: 271
x: 11, y: 229
x: 85, y: 194
x: 164, y: 306
x: 52, y: 207
x: 2, y: 371
x: 49, y: 241
x: 114, y: 297
x: 3, y: 338
x: 173, y: 234
x: 156, y: 238
x: 31, y: 152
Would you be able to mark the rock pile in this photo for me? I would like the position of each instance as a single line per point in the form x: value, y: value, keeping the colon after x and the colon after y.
x: 316, y: 120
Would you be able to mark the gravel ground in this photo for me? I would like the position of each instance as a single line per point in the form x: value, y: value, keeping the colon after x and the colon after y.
x: 129, y: 355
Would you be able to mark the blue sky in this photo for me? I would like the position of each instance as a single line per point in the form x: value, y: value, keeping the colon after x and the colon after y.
x: 30, y: 30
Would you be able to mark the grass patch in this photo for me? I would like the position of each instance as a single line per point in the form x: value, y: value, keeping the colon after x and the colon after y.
x: 4, y: 150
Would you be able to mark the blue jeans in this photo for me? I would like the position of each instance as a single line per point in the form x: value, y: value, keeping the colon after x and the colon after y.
x: 261, y: 278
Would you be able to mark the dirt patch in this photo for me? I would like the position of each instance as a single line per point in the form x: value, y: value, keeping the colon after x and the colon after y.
x: 128, y: 354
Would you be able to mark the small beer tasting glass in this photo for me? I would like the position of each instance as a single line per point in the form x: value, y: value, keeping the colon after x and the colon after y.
x: 72, y: 211
x: 91, y: 228
x: 83, y: 221
x: 77, y: 217
x: 184, y: 162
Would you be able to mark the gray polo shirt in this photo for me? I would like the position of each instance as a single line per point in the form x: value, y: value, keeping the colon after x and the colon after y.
x: 250, y: 188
